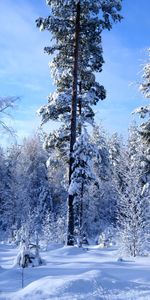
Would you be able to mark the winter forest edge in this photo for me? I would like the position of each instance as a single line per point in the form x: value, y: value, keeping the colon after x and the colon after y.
x: 77, y: 185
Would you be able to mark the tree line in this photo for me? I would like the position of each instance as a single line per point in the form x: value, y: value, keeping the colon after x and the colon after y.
x: 109, y: 185
x: 106, y: 183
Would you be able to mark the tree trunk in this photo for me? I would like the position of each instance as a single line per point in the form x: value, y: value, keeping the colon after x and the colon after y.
x: 70, y: 233
x: 80, y: 108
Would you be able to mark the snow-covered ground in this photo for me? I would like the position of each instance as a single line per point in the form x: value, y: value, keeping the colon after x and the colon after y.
x: 71, y: 273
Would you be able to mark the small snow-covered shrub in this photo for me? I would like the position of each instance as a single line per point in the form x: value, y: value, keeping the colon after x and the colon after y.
x: 24, y: 257
x: 29, y: 255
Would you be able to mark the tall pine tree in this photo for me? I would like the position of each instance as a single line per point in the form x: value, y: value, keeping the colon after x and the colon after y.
x: 76, y: 28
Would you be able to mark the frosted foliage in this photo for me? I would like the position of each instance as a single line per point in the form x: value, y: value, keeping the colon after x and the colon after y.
x: 145, y: 89
x: 26, y: 191
x: 144, y: 130
x: 110, y: 184
x: 81, y: 179
x: 82, y: 166
x: 6, y: 103
x: 54, y: 229
x: 134, y: 202
x: 9, y: 204
x: 145, y: 85
x: 94, y: 18
x: 102, y: 200
x: 28, y: 255
x: 35, y: 186
x: 143, y: 111
x: 55, y: 107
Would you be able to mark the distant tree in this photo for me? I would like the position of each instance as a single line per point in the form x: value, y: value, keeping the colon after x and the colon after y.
x: 13, y: 206
x: 8, y: 191
x: 144, y: 131
x: 102, y: 207
x: 3, y: 190
x: 58, y: 178
x: 76, y: 27
x: 145, y: 127
x: 118, y: 161
x: 33, y: 184
x: 133, y: 216
x: 6, y: 103
x: 145, y: 84
x: 54, y: 228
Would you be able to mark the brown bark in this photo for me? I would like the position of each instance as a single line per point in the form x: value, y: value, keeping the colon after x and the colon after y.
x: 70, y: 233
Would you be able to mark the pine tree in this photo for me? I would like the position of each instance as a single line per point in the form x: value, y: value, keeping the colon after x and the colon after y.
x: 76, y: 27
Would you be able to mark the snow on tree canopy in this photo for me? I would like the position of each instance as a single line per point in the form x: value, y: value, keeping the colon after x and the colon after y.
x: 76, y: 28
x: 142, y: 111
x: 145, y: 85
x: 82, y: 166
x: 94, y: 18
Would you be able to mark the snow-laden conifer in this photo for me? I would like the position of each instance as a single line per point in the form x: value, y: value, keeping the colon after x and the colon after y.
x: 76, y: 28
x: 95, y: 16
x: 144, y: 130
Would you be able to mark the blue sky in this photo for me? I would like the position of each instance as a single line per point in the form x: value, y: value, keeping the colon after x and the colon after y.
x: 24, y: 67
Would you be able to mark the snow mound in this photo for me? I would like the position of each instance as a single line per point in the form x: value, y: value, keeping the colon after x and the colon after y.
x: 73, y: 273
x: 66, y: 288
x: 67, y: 251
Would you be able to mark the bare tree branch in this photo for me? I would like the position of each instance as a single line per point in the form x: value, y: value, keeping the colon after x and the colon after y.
x: 7, y: 103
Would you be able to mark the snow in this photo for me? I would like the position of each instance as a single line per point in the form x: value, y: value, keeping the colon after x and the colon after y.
x: 74, y: 273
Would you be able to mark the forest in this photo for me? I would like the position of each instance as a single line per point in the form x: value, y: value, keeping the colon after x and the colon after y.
x: 77, y: 186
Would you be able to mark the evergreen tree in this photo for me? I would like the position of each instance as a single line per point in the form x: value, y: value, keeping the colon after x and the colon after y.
x: 145, y: 127
x: 76, y: 27
x: 62, y: 23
